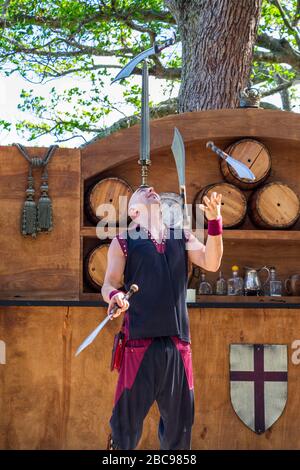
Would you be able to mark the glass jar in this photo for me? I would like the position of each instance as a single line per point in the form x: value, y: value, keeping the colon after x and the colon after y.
x: 274, y: 285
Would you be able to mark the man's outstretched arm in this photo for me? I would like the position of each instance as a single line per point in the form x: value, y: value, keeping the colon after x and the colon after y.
x: 208, y: 256
x: 114, y: 278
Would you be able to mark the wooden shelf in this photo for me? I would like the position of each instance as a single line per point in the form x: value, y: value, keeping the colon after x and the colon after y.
x: 88, y: 232
x: 247, y: 301
x: 91, y: 231
x: 210, y: 301
x: 228, y: 234
x: 283, y: 235
x: 220, y: 301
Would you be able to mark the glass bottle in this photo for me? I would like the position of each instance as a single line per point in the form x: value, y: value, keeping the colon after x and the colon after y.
x: 221, y: 285
x: 274, y: 286
x: 235, y: 284
x: 194, y: 277
x: 205, y: 287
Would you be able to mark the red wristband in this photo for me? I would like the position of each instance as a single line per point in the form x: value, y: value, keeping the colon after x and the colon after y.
x: 215, y: 227
x: 112, y: 293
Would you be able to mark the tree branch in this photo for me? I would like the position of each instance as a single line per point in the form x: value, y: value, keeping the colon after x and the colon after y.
x: 286, y: 20
x: 284, y: 94
x: 280, y: 51
x: 4, y: 8
x: 83, y: 49
x: 162, y: 109
x: 284, y: 85
x: 297, y: 14
x: 121, y: 15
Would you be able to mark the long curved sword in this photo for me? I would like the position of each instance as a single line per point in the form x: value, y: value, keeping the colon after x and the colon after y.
x: 179, y: 156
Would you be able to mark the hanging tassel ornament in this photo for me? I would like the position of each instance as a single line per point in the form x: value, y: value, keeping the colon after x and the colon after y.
x: 44, y: 209
x: 37, y: 218
x: 28, y: 223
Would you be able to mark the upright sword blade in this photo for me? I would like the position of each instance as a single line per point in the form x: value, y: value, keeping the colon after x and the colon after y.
x: 145, y: 125
x: 179, y: 156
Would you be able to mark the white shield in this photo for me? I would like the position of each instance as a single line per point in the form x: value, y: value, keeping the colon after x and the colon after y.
x: 258, y: 383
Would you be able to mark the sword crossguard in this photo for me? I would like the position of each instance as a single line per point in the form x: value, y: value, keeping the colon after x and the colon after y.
x: 217, y: 150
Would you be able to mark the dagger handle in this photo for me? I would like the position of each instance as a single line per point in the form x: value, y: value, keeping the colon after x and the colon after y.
x: 133, y: 289
x: 217, y: 150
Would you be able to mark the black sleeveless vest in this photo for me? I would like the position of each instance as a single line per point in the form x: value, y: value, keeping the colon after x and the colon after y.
x: 159, y: 307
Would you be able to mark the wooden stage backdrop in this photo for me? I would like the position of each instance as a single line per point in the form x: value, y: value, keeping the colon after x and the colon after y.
x: 52, y: 400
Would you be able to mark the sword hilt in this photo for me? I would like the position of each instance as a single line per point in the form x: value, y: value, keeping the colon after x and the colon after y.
x: 133, y: 289
x: 217, y: 150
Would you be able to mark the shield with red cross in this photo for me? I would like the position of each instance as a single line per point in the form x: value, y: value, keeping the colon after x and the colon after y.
x: 258, y: 383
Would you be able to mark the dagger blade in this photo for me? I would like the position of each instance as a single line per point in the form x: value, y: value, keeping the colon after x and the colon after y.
x: 133, y: 289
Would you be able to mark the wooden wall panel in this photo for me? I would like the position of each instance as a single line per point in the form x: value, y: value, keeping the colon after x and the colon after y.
x: 49, y: 399
x: 48, y: 266
x: 32, y: 378
x: 225, y: 125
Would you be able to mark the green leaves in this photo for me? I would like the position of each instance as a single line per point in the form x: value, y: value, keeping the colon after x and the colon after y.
x: 47, y: 41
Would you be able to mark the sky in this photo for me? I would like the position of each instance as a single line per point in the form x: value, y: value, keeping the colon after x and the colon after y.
x: 10, y: 89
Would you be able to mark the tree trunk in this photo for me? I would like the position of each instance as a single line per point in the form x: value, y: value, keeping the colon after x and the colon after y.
x: 284, y: 94
x: 217, y: 44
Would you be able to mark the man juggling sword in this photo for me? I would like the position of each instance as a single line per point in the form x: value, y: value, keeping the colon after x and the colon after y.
x: 156, y: 362
x: 152, y: 353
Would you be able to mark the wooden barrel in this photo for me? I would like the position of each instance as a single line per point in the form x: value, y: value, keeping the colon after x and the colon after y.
x: 95, y: 266
x: 274, y: 206
x: 234, y: 204
x: 108, y: 191
x: 253, y: 154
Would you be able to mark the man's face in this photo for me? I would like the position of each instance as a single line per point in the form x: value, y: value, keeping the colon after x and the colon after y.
x: 142, y: 199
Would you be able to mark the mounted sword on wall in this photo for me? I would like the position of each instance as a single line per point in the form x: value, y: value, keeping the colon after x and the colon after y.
x: 144, y: 159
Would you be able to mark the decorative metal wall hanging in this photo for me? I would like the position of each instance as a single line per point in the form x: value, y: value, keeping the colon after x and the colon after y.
x: 250, y: 97
x: 37, y: 217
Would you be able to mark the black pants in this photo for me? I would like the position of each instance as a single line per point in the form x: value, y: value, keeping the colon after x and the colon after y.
x: 155, y: 369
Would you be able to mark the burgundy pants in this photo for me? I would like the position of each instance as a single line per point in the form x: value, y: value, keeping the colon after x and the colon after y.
x: 155, y: 369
